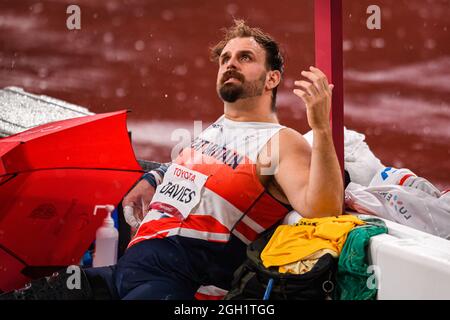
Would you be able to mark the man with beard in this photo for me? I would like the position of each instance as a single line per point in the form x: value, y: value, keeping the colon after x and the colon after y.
x: 238, y: 178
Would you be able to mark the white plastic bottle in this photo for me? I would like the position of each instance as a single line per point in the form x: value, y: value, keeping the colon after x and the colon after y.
x: 106, y: 240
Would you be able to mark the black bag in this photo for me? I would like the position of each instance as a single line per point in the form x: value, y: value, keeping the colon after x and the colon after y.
x: 251, y: 279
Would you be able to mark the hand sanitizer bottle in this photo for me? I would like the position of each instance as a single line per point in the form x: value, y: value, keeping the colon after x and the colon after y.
x: 106, y: 240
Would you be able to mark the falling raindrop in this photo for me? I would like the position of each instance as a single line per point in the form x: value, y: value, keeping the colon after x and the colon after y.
x: 138, y: 13
x: 37, y: 8
x: 120, y: 92
x: 27, y: 82
x: 43, y: 85
x: 232, y: 9
x: 418, y: 146
x: 401, y: 33
x: 289, y: 83
x: 167, y: 15
x: 112, y: 5
x: 377, y: 131
x: 180, y: 96
x: 108, y: 37
x: 180, y: 70
x: 430, y: 44
x: 139, y: 45
x: 363, y: 44
x: 378, y: 43
x: 43, y: 72
x: 424, y: 12
x: 199, y: 62
x: 398, y: 163
x: 347, y: 45
x: 143, y: 71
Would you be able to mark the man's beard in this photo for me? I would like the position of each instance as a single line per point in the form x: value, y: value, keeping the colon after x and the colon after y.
x: 231, y: 92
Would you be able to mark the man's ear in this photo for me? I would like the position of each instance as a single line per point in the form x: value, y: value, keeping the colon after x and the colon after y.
x: 273, y: 79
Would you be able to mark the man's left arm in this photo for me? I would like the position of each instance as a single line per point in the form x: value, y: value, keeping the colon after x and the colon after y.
x: 311, y: 178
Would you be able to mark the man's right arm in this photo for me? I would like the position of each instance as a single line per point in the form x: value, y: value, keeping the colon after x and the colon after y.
x: 135, y: 203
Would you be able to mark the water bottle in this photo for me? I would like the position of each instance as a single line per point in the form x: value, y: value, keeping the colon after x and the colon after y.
x: 106, y: 240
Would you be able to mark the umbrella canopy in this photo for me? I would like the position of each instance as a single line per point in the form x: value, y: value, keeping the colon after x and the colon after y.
x: 51, y: 178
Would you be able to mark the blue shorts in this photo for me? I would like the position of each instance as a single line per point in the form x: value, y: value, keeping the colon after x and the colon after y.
x: 171, y: 268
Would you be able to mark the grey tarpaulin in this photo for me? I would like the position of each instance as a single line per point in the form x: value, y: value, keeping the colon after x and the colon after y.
x: 20, y: 110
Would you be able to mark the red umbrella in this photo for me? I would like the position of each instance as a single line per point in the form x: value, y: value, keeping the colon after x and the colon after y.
x: 51, y: 178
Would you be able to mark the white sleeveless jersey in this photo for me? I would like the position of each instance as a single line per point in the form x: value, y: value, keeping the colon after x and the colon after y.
x: 212, y: 189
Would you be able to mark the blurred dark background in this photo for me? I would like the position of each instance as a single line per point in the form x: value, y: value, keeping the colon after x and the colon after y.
x: 152, y: 57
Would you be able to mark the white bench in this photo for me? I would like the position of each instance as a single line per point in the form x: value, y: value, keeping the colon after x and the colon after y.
x: 411, y: 264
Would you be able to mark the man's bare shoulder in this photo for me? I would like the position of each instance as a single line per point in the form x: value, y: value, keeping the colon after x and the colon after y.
x: 285, y: 144
x: 291, y: 139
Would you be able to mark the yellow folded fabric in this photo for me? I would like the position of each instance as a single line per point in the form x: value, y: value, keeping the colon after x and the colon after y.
x: 298, y: 267
x: 303, y: 266
x: 291, y: 243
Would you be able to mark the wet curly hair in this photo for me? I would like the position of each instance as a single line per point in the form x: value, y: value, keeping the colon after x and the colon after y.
x: 274, y: 56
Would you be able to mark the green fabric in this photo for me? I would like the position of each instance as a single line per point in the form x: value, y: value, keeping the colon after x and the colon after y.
x: 352, y: 275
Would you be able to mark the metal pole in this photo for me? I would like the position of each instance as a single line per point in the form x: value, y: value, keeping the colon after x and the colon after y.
x: 328, y: 51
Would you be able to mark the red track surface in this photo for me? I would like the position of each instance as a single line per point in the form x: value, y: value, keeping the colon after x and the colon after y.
x: 151, y: 57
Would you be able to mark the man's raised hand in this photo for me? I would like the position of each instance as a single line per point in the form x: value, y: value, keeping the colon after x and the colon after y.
x: 316, y: 94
